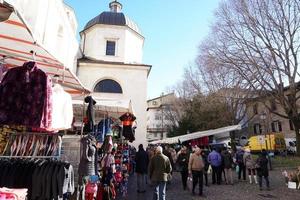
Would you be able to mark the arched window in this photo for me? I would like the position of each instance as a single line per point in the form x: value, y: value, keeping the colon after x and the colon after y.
x: 108, y: 86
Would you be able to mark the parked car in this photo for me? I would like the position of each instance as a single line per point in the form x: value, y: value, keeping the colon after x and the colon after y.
x: 273, y: 142
x: 291, y: 146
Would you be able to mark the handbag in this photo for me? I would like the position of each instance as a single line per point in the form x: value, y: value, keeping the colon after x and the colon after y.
x: 209, y: 170
x: 190, y: 183
x: 237, y: 169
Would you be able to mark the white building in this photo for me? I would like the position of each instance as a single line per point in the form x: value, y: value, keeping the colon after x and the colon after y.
x: 54, y: 26
x: 111, y: 66
x: 160, y: 116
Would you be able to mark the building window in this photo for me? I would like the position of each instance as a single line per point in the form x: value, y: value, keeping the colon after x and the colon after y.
x: 255, y: 109
x: 154, y: 103
x: 155, y: 135
x: 110, y: 48
x: 257, y: 129
x: 291, y: 125
x: 276, y: 126
x: 108, y: 86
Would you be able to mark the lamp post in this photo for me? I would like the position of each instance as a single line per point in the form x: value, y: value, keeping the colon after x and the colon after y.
x: 162, y: 115
x: 263, y: 117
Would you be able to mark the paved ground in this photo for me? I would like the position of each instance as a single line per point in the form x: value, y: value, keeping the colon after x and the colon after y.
x: 240, y: 190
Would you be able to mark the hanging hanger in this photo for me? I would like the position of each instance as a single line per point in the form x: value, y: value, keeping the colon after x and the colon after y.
x: 33, y: 54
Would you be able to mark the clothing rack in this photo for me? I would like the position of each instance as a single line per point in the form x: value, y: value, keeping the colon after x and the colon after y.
x: 12, y: 134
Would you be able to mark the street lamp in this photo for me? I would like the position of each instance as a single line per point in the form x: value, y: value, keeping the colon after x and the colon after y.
x: 263, y: 117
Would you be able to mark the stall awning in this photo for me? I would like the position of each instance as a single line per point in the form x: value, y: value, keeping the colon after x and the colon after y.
x: 116, y: 106
x: 197, y: 135
x: 18, y: 45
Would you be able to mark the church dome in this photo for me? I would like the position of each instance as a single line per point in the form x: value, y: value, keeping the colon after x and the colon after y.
x: 114, y: 17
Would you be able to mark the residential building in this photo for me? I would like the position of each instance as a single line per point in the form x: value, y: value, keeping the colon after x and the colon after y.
x: 111, y: 65
x: 161, y: 116
x: 262, y: 120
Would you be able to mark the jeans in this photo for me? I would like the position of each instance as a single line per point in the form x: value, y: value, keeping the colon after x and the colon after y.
x: 160, y: 190
x: 242, y: 168
x: 141, y: 182
x: 216, y: 172
x: 184, y: 176
x: 266, y: 179
x: 198, y: 176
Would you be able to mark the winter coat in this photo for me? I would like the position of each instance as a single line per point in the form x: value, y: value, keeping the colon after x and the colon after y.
x: 142, y: 161
x: 159, y: 168
x: 227, y: 160
x: 262, y: 166
x: 183, y: 161
x: 248, y: 161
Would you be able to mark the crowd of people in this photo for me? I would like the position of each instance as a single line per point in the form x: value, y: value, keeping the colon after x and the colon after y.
x: 195, y: 164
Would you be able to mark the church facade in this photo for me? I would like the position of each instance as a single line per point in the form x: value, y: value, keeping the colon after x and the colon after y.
x: 111, y: 65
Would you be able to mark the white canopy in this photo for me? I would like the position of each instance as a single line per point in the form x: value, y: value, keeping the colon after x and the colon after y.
x: 18, y: 45
x: 110, y: 105
x: 197, y: 135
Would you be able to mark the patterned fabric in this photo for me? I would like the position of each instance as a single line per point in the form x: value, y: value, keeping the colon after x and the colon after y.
x: 25, y: 97
x: 3, y: 70
x: 5, y: 132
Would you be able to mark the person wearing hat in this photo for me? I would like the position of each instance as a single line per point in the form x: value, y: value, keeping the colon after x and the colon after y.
x: 250, y: 165
x: 196, y: 166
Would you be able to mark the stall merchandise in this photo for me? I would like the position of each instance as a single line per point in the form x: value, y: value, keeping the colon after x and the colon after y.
x: 88, y: 160
x: 33, y: 144
x: 12, y: 194
x: 44, y: 179
x: 25, y: 97
x: 127, y: 122
x: 3, y: 70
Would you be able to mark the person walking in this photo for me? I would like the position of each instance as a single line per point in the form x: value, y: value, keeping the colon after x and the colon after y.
x: 215, y: 160
x: 262, y: 169
x: 227, y: 161
x: 204, y: 154
x: 240, y: 162
x: 183, y: 162
x: 159, y: 168
x: 141, y: 162
x: 250, y: 165
x: 196, y: 166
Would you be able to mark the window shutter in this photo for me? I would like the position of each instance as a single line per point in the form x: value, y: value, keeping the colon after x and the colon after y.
x: 260, y: 130
x: 279, y: 126
x: 254, y: 127
x: 273, y: 127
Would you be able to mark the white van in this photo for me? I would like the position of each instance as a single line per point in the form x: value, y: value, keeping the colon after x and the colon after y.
x: 290, y: 145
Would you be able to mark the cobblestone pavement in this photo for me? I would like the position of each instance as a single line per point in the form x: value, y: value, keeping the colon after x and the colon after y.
x: 240, y: 190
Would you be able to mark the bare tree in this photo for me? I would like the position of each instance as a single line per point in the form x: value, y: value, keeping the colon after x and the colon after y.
x: 260, y: 41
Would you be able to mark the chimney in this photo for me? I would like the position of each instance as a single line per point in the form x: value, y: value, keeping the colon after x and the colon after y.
x: 115, y: 6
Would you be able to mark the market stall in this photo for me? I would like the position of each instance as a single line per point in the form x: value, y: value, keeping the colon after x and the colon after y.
x: 107, y: 129
x: 198, y: 134
x: 35, y: 106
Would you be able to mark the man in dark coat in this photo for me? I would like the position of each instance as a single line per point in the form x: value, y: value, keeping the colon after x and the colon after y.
x: 142, y: 161
x: 262, y: 169
x: 183, y: 163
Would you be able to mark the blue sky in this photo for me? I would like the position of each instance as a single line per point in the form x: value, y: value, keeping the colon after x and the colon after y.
x: 172, y: 29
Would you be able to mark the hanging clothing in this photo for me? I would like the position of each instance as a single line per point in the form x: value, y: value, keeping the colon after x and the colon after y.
x: 26, y: 97
x: 44, y: 179
x: 127, y: 122
x: 90, y: 113
x: 3, y: 70
x: 62, y: 110
x: 88, y: 159
x: 104, y: 128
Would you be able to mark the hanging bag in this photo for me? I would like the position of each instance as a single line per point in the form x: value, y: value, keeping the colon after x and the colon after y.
x: 209, y: 171
x: 237, y: 169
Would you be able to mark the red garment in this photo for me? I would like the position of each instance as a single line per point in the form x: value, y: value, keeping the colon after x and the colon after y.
x: 127, y: 119
x: 25, y: 97
x: 89, y: 196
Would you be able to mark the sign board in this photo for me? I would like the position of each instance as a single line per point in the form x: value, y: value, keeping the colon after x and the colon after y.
x: 261, y: 139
